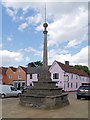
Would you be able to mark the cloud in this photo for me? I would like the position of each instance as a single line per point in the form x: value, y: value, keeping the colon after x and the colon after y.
x: 30, y: 20
x: 73, y: 59
x: 69, y: 27
x: 27, y: 59
x: 73, y: 43
x: 62, y: 55
x: 68, y: 19
x: 67, y: 23
x: 23, y: 26
x: 9, y: 57
x: 79, y: 59
x: 12, y: 13
x: 34, y: 19
x: 70, y: 24
x: 35, y: 51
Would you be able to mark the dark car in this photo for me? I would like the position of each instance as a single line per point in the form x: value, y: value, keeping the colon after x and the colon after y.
x: 26, y: 88
x: 83, y: 92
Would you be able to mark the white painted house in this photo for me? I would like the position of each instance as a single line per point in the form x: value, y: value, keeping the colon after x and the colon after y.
x: 67, y: 77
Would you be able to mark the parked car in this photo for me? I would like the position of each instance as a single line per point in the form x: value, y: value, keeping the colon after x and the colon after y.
x: 8, y: 90
x: 26, y: 88
x: 83, y: 92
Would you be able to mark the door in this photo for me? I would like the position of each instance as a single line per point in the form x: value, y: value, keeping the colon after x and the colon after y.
x: 18, y: 87
x: 13, y: 91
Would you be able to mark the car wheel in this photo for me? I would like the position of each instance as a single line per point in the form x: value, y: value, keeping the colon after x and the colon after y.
x: 78, y: 97
x: 19, y: 94
x: 3, y: 96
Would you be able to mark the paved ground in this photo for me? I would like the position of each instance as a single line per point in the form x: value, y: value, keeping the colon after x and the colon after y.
x: 76, y: 109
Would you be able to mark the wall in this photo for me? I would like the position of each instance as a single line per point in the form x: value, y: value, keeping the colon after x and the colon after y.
x: 9, y: 72
x: 55, y: 68
x: 21, y: 72
x: 34, y: 78
x: 2, y: 78
x: 0, y: 82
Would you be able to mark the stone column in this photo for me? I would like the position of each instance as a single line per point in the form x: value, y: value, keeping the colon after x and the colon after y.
x: 45, y: 59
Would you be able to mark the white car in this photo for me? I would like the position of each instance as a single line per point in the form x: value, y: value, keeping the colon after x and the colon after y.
x: 8, y: 90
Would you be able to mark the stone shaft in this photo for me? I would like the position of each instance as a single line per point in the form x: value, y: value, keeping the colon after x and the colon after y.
x: 45, y: 61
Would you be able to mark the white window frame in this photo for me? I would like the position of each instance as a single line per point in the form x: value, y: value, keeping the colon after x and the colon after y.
x: 19, y: 76
x: 10, y: 76
x: 55, y: 76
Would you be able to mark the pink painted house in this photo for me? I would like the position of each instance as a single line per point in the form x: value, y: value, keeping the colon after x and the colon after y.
x: 67, y: 77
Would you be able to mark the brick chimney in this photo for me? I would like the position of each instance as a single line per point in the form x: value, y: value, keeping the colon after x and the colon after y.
x: 66, y: 62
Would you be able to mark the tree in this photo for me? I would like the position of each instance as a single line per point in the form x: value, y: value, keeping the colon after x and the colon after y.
x: 35, y: 64
x: 85, y: 68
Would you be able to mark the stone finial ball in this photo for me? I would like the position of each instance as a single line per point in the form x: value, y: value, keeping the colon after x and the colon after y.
x: 45, y: 25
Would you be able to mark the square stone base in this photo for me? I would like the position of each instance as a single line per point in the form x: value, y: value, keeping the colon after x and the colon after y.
x: 44, y: 101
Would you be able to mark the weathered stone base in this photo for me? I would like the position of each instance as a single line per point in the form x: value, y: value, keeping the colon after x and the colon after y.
x: 49, y: 102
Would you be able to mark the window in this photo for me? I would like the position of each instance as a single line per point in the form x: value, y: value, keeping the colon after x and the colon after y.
x: 56, y: 76
x: 10, y: 76
x: 30, y: 76
x: 64, y: 86
x: 0, y: 76
x: 80, y: 77
x: 71, y: 76
x: 66, y: 78
x: 38, y: 75
x: 76, y: 84
x: 13, y: 89
x: 19, y: 76
x: 71, y: 85
x: 76, y: 76
x: 15, y: 84
x: 68, y: 85
x: 23, y: 84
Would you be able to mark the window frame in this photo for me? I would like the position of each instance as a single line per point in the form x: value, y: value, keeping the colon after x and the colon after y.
x: 19, y: 76
x: 68, y: 85
x: 76, y: 85
x: 55, y: 75
x: 71, y: 76
x: 71, y: 85
x: 10, y: 76
x: 31, y: 76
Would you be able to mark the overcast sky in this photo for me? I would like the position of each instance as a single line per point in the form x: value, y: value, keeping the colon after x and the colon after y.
x: 22, y: 32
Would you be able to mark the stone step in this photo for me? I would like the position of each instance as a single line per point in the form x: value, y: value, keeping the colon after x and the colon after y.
x: 45, y: 84
x: 45, y: 91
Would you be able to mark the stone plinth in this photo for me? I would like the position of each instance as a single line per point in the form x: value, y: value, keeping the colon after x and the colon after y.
x: 44, y: 94
x: 41, y: 101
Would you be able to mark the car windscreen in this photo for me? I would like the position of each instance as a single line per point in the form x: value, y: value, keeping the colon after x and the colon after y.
x: 84, y: 88
x: 13, y: 89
